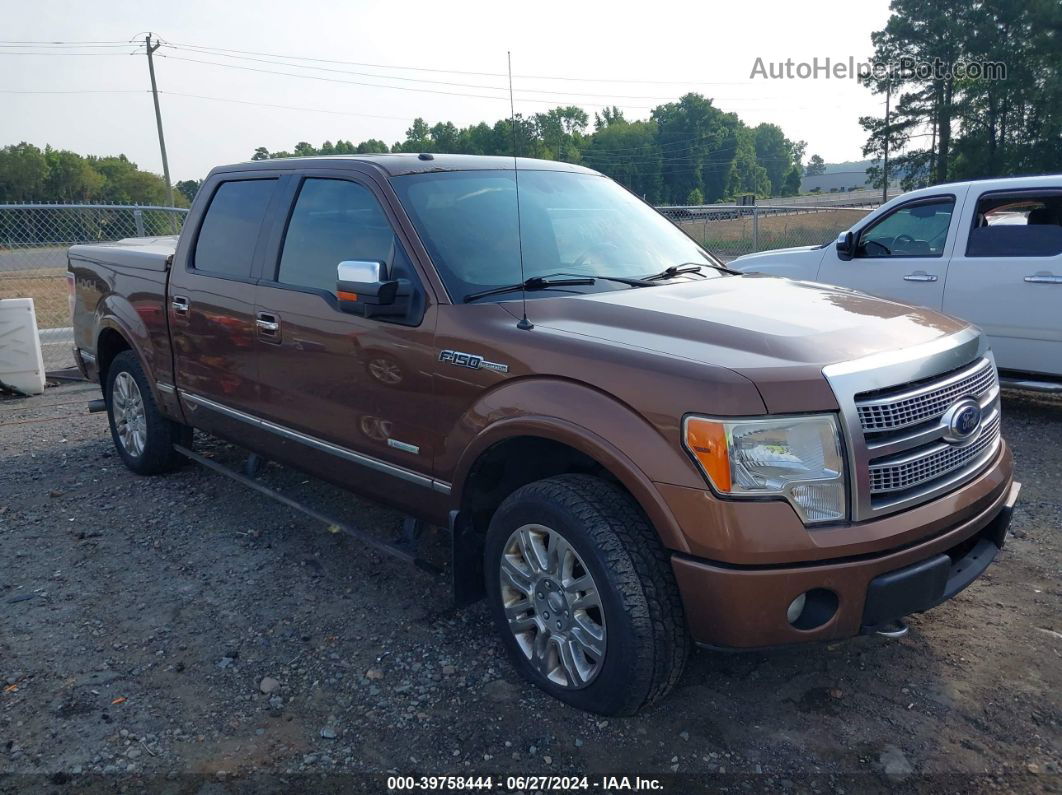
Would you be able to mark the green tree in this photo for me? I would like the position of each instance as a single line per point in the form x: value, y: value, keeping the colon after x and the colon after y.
x: 945, y: 126
x: 371, y: 146
x: 695, y: 197
x: 628, y: 152
x: 697, y: 142
x: 23, y: 172
x: 70, y: 178
x: 816, y: 167
x: 777, y: 154
x: 561, y: 131
x: 189, y: 188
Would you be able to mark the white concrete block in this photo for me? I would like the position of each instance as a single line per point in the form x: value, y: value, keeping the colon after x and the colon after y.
x: 21, y: 363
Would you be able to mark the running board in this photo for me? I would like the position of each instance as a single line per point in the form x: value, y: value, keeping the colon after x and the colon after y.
x: 334, y: 525
x: 1030, y: 384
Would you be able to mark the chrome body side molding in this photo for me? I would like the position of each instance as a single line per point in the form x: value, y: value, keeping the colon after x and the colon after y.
x: 368, y: 461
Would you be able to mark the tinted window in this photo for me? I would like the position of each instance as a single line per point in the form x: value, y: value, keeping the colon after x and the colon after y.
x: 575, y: 224
x: 230, y: 229
x: 915, y: 230
x: 333, y: 220
x: 1024, y: 225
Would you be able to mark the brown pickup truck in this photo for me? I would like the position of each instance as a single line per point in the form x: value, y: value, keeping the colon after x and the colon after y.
x: 632, y: 446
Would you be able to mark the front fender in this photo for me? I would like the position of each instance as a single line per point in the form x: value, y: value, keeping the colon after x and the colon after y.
x: 588, y: 420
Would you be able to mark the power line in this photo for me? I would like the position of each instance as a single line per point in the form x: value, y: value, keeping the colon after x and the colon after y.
x: 64, y: 43
x: 412, y: 88
x: 78, y: 91
x: 285, y: 107
x: 274, y: 62
x: 450, y: 71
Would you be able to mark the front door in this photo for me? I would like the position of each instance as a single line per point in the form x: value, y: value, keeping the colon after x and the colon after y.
x: 903, y: 255
x: 354, y: 393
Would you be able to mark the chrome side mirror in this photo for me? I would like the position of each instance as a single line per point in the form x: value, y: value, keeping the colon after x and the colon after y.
x: 362, y: 288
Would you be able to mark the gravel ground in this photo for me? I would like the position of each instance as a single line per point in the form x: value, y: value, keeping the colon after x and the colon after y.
x: 184, y: 629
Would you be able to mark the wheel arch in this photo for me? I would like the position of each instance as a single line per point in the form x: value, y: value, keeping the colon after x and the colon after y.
x: 487, y: 473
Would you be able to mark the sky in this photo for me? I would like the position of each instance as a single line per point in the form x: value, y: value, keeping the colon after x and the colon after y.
x: 635, y: 55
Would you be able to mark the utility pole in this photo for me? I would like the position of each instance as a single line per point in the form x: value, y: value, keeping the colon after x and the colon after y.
x: 158, y: 116
x: 885, y: 165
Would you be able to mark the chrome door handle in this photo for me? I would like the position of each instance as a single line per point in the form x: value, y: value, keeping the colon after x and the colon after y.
x: 268, y: 326
x: 919, y: 277
x: 1043, y: 278
x: 179, y: 304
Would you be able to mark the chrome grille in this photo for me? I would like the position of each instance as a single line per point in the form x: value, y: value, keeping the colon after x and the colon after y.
x: 909, y: 407
x: 932, y: 463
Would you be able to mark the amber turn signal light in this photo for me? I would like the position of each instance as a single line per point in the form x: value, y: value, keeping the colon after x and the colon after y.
x: 706, y: 440
x: 343, y: 295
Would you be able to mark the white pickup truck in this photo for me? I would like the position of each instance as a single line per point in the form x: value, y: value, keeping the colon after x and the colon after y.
x: 988, y: 251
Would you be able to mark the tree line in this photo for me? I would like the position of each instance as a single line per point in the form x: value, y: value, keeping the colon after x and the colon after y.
x: 950, y: 127
x: 31, y: 174
x: 686, y: 152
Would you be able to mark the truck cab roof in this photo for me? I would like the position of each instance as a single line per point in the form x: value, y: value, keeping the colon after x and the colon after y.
x: 393, y: 165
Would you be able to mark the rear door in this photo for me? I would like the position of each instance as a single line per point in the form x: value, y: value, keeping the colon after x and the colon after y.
x: 1007, y: 277
x: 351, y: 396
x: 211, y: 303
x: 902, y: 255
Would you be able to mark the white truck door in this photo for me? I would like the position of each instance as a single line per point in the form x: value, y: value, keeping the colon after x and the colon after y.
x: 902, y: 254
x: 1006, y: 276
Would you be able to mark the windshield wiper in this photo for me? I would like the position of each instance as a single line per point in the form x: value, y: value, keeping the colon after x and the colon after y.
x: 633, y: 281
x: 688, y: 267
x: 534, y: 283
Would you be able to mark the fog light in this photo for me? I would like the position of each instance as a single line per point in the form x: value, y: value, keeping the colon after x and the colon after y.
x: 796, y: 607
x: 812, y: 609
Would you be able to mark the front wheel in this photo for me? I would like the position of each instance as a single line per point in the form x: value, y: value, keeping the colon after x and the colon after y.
x: 582, y: 593
x: 143, y: 437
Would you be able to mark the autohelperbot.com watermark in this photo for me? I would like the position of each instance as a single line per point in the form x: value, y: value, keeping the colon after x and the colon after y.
x: 903, y: 69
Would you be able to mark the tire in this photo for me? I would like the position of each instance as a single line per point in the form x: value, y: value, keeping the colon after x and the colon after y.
x: 143, y: 438
x: 637, y: 618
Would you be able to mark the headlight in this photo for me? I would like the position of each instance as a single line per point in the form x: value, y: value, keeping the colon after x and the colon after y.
x: 797, y: 458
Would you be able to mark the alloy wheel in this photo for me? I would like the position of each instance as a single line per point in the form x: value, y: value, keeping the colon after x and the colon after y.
x: 553, y: 606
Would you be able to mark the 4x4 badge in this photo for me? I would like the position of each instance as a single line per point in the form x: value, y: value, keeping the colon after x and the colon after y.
x: 471, y: 361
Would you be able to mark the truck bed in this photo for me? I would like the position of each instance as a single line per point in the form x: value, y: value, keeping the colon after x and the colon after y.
x: 125, y: 280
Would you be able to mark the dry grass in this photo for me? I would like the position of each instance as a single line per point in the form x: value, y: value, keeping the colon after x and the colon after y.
x: 734, y: 235
x: 46, y: 287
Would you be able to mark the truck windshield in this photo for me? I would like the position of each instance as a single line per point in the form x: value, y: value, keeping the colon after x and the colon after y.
x: 572, y: 224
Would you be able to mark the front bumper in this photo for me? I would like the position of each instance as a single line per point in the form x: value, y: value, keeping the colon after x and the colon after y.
x: 744, y: 606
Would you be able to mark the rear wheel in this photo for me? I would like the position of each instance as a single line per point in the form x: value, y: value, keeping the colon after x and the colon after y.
x: 583, y: 595
x: 143, y: 437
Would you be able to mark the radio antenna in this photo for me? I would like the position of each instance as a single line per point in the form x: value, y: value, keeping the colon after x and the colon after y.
x: 524, y: 323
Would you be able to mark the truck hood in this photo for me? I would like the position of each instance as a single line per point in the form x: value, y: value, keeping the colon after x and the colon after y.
x: 774, y: 253
x: 777, y: 332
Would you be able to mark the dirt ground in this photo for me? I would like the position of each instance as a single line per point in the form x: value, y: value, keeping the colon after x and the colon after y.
x: 141, y: 619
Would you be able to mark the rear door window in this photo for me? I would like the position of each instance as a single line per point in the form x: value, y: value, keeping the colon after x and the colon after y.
x: 1024, y: 224
x: 229, y: 232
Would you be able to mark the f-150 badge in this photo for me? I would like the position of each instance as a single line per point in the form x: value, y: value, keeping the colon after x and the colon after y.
x: 471, y: 361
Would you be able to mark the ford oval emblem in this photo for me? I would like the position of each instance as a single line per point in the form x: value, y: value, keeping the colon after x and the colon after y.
x: 962, y: 421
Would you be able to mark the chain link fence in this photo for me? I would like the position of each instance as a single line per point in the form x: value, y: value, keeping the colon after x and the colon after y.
x: 730, y: 230
x: 33, y: 243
